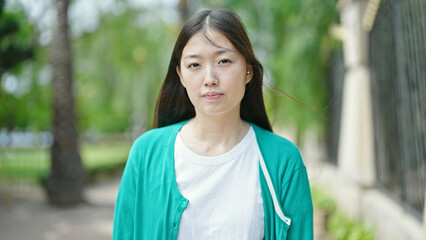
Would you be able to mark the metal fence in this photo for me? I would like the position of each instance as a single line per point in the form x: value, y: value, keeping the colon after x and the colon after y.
x: 25, y: 158
x: 397, y: 61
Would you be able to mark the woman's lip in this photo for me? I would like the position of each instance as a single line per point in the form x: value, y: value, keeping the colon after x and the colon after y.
x: 212, y: 95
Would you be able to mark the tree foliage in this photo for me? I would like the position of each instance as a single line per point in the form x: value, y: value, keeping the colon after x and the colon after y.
x: 299, y: 65
x: 16, y: 47
x: 120, y: 65
x: 15, y: 40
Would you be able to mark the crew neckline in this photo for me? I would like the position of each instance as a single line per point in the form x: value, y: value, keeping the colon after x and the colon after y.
x: 219, y: 159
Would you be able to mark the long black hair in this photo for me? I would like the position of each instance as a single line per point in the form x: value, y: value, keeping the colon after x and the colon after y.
x: 173, y: 104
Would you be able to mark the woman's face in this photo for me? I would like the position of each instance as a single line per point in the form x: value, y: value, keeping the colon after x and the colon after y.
x: 214, y: 75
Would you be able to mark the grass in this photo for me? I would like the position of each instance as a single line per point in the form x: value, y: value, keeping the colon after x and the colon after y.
x: 34, y: 163
x: 338, y: 225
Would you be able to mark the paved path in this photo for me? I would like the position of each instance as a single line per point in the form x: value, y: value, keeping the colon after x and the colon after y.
x: 34, y: 218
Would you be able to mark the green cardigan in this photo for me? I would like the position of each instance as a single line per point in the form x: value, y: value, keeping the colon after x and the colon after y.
x: 149, y: 204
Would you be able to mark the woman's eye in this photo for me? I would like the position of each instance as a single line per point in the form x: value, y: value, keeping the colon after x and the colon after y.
x: 224, y: 61
x: 193, y: 65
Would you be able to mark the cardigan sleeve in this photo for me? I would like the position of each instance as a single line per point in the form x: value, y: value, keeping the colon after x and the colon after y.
x: 297, y: 202
x: 125, y: 203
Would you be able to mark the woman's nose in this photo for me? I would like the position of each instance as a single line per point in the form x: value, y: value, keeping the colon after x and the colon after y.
x: 210, y: 78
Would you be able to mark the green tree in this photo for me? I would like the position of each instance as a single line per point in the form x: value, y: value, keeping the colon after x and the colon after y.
x: 119, y: 66
x: 119, y: 69
x: 299, y: 65
x: 66, y: 181
x: 16, y: 47
x: 15, y: 41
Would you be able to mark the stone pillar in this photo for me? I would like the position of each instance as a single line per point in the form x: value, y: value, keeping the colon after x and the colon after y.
x: 356, y: 153
x: 356, y: 146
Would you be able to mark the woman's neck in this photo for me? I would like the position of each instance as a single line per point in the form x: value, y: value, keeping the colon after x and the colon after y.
x: 211, y: 135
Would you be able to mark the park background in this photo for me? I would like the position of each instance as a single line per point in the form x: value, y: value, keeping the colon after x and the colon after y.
x: 345, y: 80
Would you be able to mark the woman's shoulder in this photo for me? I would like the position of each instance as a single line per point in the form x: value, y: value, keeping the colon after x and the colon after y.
x: 274, y: 142
x: 277, y: 151
x: 157, y: 136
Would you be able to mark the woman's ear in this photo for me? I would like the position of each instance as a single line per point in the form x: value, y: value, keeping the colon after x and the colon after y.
x: 180, y: 76
x: 249, y: 73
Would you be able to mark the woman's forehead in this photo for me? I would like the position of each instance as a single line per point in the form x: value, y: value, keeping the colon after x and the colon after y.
x: 209, y: 39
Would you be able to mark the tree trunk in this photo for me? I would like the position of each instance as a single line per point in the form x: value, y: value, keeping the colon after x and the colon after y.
x: 183, y: 10
x: 66, y: 181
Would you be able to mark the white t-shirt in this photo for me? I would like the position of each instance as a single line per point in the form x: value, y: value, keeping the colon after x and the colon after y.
x: 225, y: 200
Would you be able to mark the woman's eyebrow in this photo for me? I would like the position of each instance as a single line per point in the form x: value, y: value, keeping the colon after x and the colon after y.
x: 218, y: 52
x: 192, y: 56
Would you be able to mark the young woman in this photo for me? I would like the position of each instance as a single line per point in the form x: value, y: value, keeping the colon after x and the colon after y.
x: 212, y: 168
